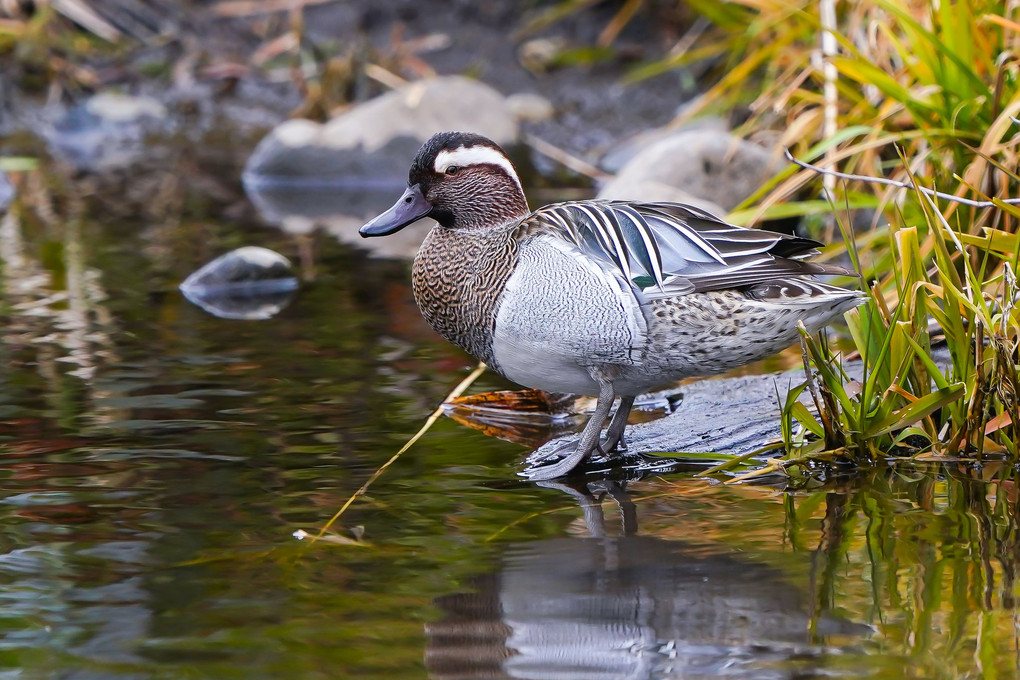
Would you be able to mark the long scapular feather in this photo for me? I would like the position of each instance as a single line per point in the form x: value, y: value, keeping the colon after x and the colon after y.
x: 675, y: 247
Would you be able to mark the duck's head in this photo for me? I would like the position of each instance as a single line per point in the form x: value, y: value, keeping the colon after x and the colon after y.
x: 462, y: 181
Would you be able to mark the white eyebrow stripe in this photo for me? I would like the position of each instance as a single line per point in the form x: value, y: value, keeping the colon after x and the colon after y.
x: 475, y: 155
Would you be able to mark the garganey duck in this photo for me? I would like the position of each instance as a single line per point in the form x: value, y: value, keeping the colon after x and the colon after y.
x: 606, y: 298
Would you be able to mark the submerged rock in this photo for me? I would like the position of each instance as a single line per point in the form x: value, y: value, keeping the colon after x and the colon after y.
x: 533, y: 417
x: 370, y: 144
x: 106, y: 131
x: 728, y: 415
x: 6, y: 191
x: 247, y: 283
x: 712, y: 165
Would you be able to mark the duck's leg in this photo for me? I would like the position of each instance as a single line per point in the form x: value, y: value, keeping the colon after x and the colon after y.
x: 614, y: 434
x: 586, y: 444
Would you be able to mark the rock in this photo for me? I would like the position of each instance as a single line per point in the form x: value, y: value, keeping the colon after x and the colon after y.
x: 710, y: 164
x: 247, y: 283
x: 105, y: 132
x: 6, y: 191
x: 729, y: 415
x: 248, y: 266
x: 304, y: 175
x: 122, y: 108
x: 734, y: 416
x: 617, y: 157
x: 650, y: 190
x: 242, y: 306
x: 540, y: 54
x: 531, y: 107
x: 372, y: 143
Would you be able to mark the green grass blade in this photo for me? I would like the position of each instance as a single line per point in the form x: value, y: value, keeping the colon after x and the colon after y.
x: 923, y: 407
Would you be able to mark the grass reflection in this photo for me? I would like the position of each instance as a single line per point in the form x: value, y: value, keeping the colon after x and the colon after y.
x: 927, y: 557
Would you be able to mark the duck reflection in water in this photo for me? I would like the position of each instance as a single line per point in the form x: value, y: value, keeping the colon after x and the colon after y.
x: 627, y: 606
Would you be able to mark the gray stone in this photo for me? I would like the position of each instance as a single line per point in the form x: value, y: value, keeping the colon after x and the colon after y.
x: 540, y: 54
x: 711, y: 165
x: 246, y: 283
x: 122, y: 108
x: 6, y: 191
x: 531, y: 107
x: 726, y: 415
x: 624, y: 151
x: 106, y: 131
x: 636, y: 189
x: 248, y: 266
x: 733, y: 416
x: 372, y: 143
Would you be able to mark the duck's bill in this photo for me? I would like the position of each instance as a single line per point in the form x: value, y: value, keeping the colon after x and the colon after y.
x: 411, y: 207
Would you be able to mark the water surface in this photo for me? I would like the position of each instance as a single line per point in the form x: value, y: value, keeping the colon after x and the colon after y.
x: 156, y: 461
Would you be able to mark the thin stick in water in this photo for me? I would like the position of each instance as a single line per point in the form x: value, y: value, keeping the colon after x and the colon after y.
x: 457, y: 391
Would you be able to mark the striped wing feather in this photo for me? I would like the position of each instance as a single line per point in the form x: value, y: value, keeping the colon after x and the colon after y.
x: 668, y: 249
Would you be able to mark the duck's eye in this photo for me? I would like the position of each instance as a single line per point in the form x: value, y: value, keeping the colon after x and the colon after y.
x: 452, y: 170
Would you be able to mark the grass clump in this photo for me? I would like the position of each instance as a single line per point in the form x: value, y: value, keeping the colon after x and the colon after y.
x: 963, y: 403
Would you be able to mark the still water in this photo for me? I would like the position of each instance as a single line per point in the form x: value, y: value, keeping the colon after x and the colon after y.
x: 156, y: 462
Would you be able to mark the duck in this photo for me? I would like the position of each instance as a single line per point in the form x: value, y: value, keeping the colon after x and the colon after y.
x: 604, y: 298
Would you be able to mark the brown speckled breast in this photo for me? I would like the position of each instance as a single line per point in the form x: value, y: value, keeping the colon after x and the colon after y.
x: 457, y: 278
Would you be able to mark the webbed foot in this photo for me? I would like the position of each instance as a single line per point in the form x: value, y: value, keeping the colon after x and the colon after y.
x: 559, y: 459
x: 550, y: 462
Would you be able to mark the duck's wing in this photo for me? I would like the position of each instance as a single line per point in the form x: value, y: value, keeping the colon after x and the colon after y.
x: 667, y: 249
